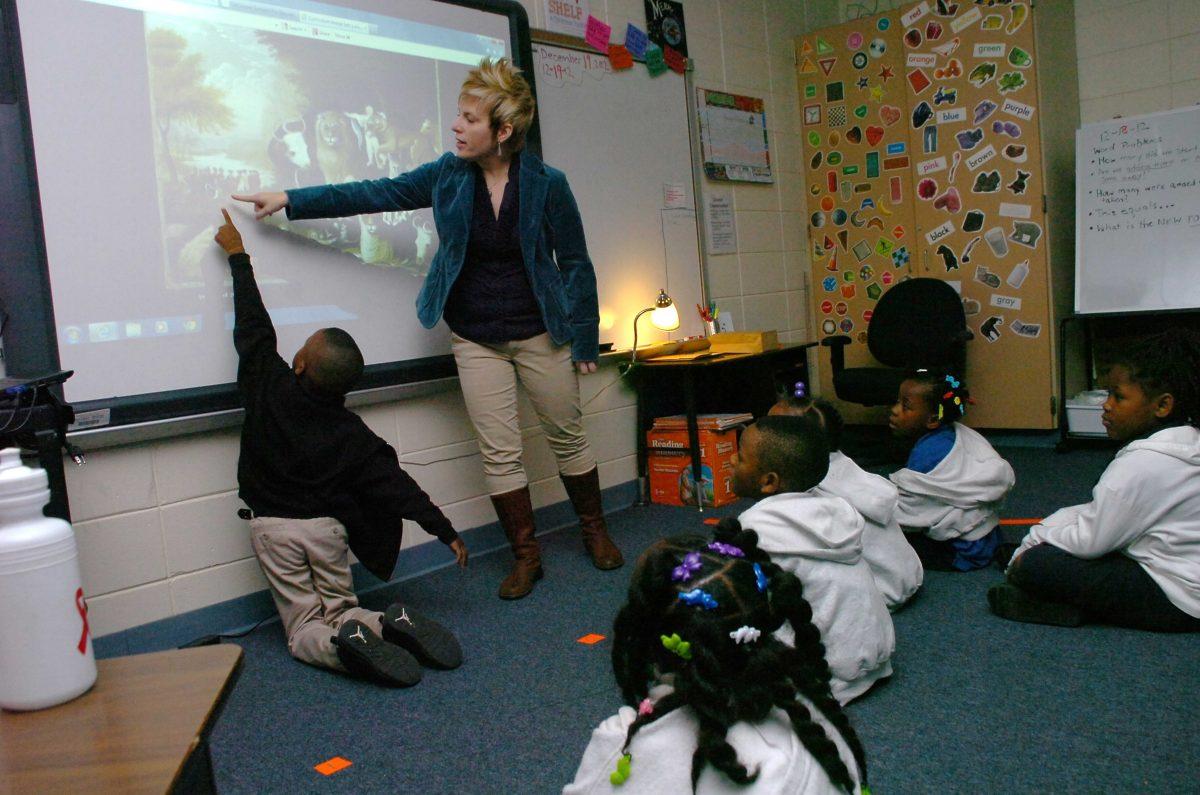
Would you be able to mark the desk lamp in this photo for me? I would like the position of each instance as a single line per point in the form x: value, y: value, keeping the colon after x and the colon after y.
x: 664, y: 316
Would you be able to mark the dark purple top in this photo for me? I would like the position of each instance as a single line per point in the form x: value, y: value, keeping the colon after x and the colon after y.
x: 492, y: 301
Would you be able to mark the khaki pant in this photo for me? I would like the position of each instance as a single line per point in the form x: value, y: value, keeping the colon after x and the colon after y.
x: 306, y: 562
x: 489, y: 375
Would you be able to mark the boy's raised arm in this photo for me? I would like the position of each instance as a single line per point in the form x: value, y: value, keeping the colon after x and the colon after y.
x: 253, y: 333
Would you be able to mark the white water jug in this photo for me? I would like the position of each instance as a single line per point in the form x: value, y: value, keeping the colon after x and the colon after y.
x: 46, y: 653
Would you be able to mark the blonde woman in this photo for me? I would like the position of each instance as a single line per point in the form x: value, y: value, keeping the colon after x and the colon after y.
x: 513, y: 281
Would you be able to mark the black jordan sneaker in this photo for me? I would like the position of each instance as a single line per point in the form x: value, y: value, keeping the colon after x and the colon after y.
x: 367, y: 656
x: 429, y: 641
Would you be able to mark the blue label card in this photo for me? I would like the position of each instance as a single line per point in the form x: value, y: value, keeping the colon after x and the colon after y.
x: 635, y: 41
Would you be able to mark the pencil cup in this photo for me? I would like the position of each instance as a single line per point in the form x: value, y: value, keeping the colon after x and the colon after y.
x: 710, y: 328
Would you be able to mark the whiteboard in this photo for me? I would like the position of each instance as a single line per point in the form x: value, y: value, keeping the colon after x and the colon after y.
x: 1137, y: 216
x: 622, y: 140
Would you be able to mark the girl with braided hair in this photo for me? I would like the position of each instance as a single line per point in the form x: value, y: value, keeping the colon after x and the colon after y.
x: 1131, y: 556
x: 715, y: 702
x: 954, y: 483
x: 894, y: 564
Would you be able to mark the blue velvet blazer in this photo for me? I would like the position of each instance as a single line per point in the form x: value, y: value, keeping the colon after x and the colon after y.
x: 551, y: 232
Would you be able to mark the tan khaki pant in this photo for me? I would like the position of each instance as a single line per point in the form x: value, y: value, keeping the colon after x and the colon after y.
x: 306, y: 562
x: 489, y: 375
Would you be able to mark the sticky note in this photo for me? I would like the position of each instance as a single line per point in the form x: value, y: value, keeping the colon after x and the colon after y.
x: 590, y: 638
x: 331, y: 766
x: 619, y: 57
x: 636, y: 41
x: 674, y: 59
x: 598, y: 34
x: 655, y: 64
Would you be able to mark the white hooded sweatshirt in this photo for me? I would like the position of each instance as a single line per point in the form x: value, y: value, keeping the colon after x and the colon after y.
x: 893, y: 561
x: 961, y: 496
x: 819, y: 539
x: 662, y: 756
x: 1147, y: 506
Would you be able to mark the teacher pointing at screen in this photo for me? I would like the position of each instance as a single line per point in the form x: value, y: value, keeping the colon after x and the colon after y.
x: 513, y: 281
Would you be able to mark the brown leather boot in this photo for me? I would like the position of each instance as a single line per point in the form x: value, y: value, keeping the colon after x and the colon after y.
x: 515, y: 510
x: 584, y: 491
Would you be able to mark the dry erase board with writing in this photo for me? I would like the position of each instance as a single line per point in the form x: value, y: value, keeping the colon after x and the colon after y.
x: 622, y: 140
x: 1138, y: 213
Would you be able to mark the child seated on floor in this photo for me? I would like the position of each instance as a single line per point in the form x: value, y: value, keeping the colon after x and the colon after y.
x: 819, y: 538
x: 954, y: 482
x: 319, y: 483
x: 894, y: 563
x: 1131, y: 556
x: 716, y: 703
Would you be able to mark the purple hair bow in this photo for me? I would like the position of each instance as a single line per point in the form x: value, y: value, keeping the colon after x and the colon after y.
x: 728, y: 550
x: 800, y: 390
x: 684, y: 571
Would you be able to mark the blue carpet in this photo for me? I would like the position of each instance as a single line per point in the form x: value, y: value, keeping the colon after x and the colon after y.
x: 976, y: 703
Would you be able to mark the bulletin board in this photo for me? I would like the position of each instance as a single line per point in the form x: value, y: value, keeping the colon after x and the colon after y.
x: 965, y: 85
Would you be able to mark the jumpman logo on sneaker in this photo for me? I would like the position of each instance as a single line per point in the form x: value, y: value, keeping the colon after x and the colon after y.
x: 404, y: 617
x: 358, y: 635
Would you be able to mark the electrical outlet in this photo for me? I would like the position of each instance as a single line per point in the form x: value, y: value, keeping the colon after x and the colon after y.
x: 724, y: 322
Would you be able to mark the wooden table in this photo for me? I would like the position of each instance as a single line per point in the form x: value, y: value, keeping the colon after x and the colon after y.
x: 733, y: 382
x: 142, y: 728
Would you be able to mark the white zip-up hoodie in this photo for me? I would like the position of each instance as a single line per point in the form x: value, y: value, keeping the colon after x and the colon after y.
x: 893, y: 561
x: 819, y: 539
x: 1147, y: 506
x: 662, y: 756
x: 961, y: 496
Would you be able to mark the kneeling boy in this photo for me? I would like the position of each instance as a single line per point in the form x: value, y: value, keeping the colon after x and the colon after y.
x: 319, y: 482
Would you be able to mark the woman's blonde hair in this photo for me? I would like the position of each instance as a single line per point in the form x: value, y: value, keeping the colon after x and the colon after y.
x: 504, y: 95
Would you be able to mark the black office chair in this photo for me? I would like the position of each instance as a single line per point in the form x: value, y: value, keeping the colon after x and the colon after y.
x: 919, y: 323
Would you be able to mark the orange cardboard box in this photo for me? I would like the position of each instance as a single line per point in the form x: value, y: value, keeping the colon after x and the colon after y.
x: 669, y: 461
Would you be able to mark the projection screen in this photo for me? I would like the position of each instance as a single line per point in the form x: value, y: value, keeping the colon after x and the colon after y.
x: 145, y: 115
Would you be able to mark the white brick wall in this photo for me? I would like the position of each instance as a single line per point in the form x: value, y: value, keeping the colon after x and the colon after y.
x: 1136, y: 56
x: 157, y: 527
x: 156, y: 524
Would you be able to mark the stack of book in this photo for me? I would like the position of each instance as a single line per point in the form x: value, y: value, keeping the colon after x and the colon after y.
x: 704, y: 422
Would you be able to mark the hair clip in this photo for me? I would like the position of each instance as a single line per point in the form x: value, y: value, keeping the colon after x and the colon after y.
x: 646, y: 707
x: 800, y: 390
x: 760, y: 578
x: 728, y: 550
x: 953, y: 382
x: 677, y: 645
x: 745, y: 634
x: 618, y: 776
x: 684, y: 571
x: 698, y: 598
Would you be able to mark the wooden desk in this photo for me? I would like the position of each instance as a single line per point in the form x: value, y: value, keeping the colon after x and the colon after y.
x: 736, y: 382
x: 142, y: 728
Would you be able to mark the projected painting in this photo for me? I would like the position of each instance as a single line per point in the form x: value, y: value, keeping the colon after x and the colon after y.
x: 238, y: 110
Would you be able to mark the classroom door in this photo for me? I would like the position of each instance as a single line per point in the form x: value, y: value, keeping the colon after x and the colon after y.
x: 859, y: 177
x: 967, y: 149
x: 980, y: 217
